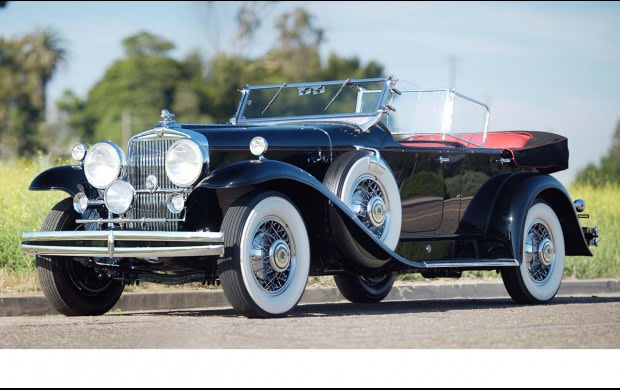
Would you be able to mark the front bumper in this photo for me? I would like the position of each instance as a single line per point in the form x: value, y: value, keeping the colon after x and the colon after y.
x: 51, y: 244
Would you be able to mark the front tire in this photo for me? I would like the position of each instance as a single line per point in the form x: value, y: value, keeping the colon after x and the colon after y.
x: 267, y: 262
x: 72, y: 288
x: 538, y: 278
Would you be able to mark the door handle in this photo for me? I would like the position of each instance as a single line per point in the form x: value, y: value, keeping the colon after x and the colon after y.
x: 442, y: 159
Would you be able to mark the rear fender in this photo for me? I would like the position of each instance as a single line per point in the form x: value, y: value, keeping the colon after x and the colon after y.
x: 507, y: 221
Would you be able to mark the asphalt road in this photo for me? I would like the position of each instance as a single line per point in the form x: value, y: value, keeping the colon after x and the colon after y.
x: 576, y: 322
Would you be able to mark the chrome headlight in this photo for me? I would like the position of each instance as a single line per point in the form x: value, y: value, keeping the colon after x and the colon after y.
x: 185, y: 162
x: 119, y: 197
x: 103, y: 164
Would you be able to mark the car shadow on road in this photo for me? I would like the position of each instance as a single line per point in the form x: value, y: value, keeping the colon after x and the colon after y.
x: 385, y: 308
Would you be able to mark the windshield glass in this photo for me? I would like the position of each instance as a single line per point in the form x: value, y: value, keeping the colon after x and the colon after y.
x: 344, y: 98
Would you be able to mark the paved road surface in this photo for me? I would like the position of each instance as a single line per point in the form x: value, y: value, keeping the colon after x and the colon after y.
x: 587, y: 322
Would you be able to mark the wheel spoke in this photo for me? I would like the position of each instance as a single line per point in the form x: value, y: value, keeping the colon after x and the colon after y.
x: 266, y: 237
x: 539, y: 236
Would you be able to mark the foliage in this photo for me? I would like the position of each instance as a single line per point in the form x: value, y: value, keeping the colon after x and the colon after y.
x: 22, y: 210
x: 200, y: 91
x: 27, y: 64
x: 604, y: 210
x: 608, y: 170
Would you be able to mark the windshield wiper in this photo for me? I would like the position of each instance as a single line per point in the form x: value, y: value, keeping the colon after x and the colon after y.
x: 273, y: 98
x: 338, y: 93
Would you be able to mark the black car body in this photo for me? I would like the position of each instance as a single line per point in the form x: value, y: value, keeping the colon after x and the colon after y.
x: 335, y: 178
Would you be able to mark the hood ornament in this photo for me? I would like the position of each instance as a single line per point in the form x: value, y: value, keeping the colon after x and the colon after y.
x: 167, y: 118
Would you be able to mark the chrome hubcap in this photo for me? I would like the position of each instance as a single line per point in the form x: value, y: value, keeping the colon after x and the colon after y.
x: 539, y: 252
x: 279, y: 256
x: 369, y: 203
x: 272, y: 256
x: 376, y: 211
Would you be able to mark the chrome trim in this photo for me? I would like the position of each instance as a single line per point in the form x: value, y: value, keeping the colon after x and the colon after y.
x: 78, y: 251
x: 479, y: 263
x: 112, y: 237
x: 373, y: 116
x: 167, y: 118
x: 123, y: 235
x: 202, y: 149
x: 315, y: 83
x: 164, y: 191
x: 580, y: 205
x: 122, y: 221
x: 121, y: 158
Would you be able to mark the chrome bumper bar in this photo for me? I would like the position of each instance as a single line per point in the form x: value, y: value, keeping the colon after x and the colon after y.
x: 113, y: 237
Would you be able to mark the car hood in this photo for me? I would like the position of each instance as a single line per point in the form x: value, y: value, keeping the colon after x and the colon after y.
x: 279, y: 138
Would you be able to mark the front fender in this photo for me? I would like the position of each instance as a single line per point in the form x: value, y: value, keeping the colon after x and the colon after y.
x: 67, y: 178
x: 507, y: 222
x: 347, y: 231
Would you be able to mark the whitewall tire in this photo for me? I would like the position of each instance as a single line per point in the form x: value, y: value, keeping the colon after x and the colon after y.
x: 538, y: 278
x: 267, y: 262
x: 369, y: 189
x: 367, y: 186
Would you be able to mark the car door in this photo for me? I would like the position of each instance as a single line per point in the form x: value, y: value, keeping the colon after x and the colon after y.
x: 419, y: 175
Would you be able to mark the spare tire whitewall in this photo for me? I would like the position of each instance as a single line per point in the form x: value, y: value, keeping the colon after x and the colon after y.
x: 366, y: 184
x: 369, y: 189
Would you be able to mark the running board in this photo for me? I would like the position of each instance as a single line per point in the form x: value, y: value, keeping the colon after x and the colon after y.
x: 478, y: 263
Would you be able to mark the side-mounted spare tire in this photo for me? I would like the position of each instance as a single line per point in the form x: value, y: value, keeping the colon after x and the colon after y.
x: 366, y: 184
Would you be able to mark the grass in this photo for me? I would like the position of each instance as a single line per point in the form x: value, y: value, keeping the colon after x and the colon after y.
x: 23, y: 210
x: 603, y: 205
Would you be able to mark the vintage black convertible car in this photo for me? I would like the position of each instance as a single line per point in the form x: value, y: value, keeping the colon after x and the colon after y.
x: 363, y: 179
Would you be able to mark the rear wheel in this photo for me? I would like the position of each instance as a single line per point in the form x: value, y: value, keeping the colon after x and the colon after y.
x: 538, y: 278
x: 267, y: 262
x: 361, y: 289
x: 72, y: 288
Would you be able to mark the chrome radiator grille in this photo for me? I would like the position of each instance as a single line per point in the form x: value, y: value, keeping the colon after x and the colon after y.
x: 146, y: 156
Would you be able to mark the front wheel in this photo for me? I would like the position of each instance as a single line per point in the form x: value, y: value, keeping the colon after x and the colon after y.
x: 538, y: 278
x: 267, y: 261
x: 72, y: 288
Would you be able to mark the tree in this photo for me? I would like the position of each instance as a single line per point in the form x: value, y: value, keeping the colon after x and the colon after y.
x: 138, y: 87
x: 148, y: 79
x: 27, y: 64
x: 608, y: 169
x: 145, y: 44
x: 42, y: 53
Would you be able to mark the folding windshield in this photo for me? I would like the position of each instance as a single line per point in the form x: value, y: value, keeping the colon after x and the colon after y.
x: 361, y: 98
x: 442, y: 112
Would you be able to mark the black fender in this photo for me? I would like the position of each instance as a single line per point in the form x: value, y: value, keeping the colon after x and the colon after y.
x: 67, y: 178
x: 515, y: 195
x: 348, y: 234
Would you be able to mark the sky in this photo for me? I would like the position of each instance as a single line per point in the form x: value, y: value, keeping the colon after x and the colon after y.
x: 539, y: 66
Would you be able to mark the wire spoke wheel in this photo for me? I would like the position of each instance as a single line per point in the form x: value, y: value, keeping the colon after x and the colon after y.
x: 369, y: 203
x: 539, y: 252
x: 539, y: 276
x: 272, y: 256
x: 266, y: 266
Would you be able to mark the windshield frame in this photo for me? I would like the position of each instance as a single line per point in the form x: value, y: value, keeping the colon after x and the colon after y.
x: 372, y: 116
